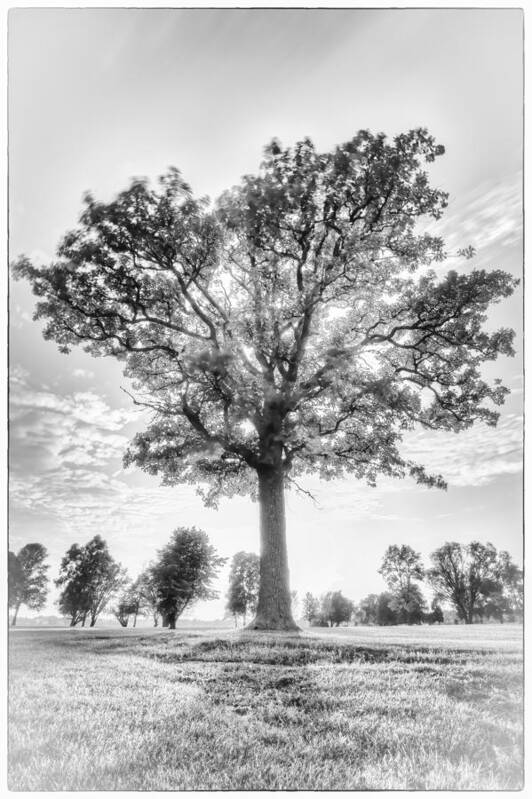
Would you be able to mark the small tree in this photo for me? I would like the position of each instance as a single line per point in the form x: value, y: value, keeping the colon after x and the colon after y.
x: 89, y: 577
x: 335, y: 608
x: 401, y: 569
x: 184, y: 571
x: 311, y: 607
x: 283, y: 331
x: 146, y: 589
x: 243, y: 584
x: 27, y: 578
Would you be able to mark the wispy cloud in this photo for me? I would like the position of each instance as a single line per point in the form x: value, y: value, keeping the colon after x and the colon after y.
x: 474, y: 457
x: 488, y: 217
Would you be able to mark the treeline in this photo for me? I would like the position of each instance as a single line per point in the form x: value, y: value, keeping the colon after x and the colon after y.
x: 92, y: 581
x: 475, y: 580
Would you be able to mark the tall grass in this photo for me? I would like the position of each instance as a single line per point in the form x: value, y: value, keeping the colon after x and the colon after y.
x: 173, y: 711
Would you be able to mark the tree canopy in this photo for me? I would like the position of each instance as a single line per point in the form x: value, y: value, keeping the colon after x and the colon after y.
x: 88, y: 577
x: 183, y: 572
x: 28, y: 583
x: 283, y: 330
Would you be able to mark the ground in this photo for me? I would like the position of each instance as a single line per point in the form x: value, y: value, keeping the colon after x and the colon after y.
x: 341, y: 709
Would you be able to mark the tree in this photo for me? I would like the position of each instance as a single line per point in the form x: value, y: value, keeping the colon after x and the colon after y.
x: 465, y: 575
x: 401, y: 569
x: 184, y: 571
x: 510, y: 579
x: 89, y: 577
x: 147, y: 590
x: 15, y: 580
x: 367, y: 608
x: 408, y: 605
x: 335, y: 608
x: 385, y: 612
x: 282, y: 331
x: 243, y: 584
x: 436, y: 613
x: 27, y: 578
x: 311, y: 607
x: 123, y: 609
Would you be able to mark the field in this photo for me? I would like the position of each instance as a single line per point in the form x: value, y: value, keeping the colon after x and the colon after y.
x: 343, y: 709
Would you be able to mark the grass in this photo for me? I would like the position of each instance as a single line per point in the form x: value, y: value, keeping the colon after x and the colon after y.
x: 347, y: 709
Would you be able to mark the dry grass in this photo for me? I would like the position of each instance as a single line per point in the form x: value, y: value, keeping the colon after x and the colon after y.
x: 338, y: 710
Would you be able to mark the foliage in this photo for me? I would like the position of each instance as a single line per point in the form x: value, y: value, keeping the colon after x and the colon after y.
x: 215, y: 312
x: 401, y: 568
x: 89, y: 577
x: 15, y: 580
x: 184, y: 571
x: 243, y: 584
x: 128, y: 604
x: 311, y: 607
x: 477, y: 580
x: 145, y: 590
x: 28, y: 583
x: 283, y: 329
x: 335, y: 608
x: 408, y: 604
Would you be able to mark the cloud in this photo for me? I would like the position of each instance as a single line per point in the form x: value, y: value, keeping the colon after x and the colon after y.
x: 488, y: 217
x: 83, y: 374
x: 473, y: 457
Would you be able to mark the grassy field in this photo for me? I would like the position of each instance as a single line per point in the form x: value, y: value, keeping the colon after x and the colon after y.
x: 342, y: 709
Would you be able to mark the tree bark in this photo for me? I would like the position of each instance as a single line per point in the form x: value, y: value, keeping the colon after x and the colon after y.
x: 274, y: 604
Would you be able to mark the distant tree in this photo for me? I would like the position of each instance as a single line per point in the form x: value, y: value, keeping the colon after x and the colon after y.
x: 89, y: 577
x: 385, y: 613
x: 335, y: 608
x: 366, y: 610
x: 294, y: 604
x: 283, y: 331
x: 243, y: 584
x: 402, y: 569
x: 436, y: 613
x: 28, y: 582
x: 311, y: 607
x: 510, y: 586
x: 123, y: 609
x: 146, y: 588
x: 15, y: 580
x: 465, y: 575
x: 183, y: 572
x: 408, y: 604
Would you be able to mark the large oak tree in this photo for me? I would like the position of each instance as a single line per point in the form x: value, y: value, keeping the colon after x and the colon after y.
x: 283, y: 330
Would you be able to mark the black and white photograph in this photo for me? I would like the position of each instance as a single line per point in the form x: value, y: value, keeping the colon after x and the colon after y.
x: 265, y: 426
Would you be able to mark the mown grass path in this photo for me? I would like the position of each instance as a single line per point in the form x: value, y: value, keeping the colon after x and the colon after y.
x: 344, y: 709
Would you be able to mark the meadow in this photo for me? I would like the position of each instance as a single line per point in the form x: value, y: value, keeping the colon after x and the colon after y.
x: 335, y: 709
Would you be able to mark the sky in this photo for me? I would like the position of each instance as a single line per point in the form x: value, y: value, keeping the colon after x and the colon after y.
x: 97, y: 96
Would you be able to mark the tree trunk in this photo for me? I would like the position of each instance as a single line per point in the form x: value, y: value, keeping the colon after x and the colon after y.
x: 171, y: 620
x: 73, y: 621
x: 14, y: 619
x: 274, y: 604
x: 135, y: 620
